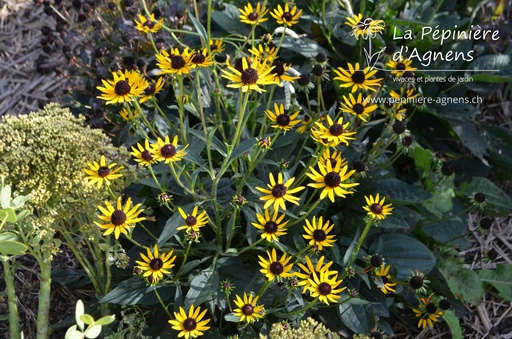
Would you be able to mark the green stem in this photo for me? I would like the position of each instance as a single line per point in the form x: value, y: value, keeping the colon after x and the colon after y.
x: 305, y: 308
x: 264, y: 288
x: 43, y: 308
x: 184, y: 260
x: 305, y: 215
x: 12, y: 300
x: 163, y: 304
x: 353, y: 257
x: 232, y: 230
x: 257, y: 242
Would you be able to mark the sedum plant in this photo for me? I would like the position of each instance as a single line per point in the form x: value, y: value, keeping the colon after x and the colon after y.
x: 43, y: 154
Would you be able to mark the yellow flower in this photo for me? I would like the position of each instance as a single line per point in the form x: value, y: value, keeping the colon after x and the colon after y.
x: 384, y: 281
x: 193, y: 221
x: 120, y: 219
x: 273, y: 268
x: 154, y: 266
x: 279, y: 192
x: 309, y: 269
x: 333, y: 158
x: 125, y: 87
x: 279, y: 70
x: 252, y: 16
x: 334, y: 134
x: 272, y: 227
x: 401, y: 67
x: 281, y: 119
x: 174, y: 63
x: 128, y: 115
x: 376, y: 208
x: 151, y: 90
x: 365, y: 27
x: 101, y: 173
x: 148, y: 26
x: 427, y: 312
x: 323, y: 287
x: 404, y: 96
x: 317, y: 232
x: 286, y: 17
x: 356, y: 78
x: 332, y: 180
x: 250, y: 76
x: 247, y: 309
x: 263, y: 54
x: 168, y: 152
x: 143, y: 155
x: 202, y: 58
x: 361, y: 108
x: 217, y: 46
x: 190, y: 325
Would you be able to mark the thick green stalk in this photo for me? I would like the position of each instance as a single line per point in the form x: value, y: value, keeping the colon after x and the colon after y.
x: 43, y: 308
x: 12, y: 301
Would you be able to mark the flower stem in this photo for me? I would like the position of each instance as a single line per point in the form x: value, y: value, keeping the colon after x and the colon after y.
x: 162, y: 303
x: 305, y: 308
x: 12, y: 300
x: 43, y: 308
x: 353, y: 257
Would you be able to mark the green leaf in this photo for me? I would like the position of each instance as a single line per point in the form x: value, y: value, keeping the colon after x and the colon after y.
x: 404, y: 254
x: 170, y: 229
x: 199, y: 29
x: 93, y: 331
x: 497, y: 202
x: 355, y: 317
x: 136, y: 291
x: 243, y: 147
x: 8, y: 236
x: 5, y: 196
x: 441, y: 202
x: 459, y: 117
x: 12, y: 248
x: 499, y: 279
x: 87, y: 319
x: 203, y: 286
x: 454, y: 324
x: 450, y: 232
x: 397, y: 190
x: 8, y: 214
x: 464, y: 283
x: 109, y: 319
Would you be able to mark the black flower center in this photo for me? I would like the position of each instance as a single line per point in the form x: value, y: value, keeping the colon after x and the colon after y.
x: 149, y: 24
x: 431, y: 308
x: 103, y: 171
x: 156, y: 264
x: 359, y: 166
x: 168, y: 151
x: 287, y: 16
x: 317, y: 70
x: 399, y: 127
x: 150, y: 90
x: 363, y: 24
x: 324, y: 288
x: 213, y: 47
x: 118, y: 218
x: 444, y: 304
x: 480, y: 197
x: 384, y: 279
x: 321, y: 57
x: 303, y: 80
x: 376, y: 260
x: 332, y: 179
x: 283, y: 120
x: 416, y: 282
x: 177, y: 61
x: 278, y: 68
x: 249, y: 76
x: 358, y: 108
x: 336, y: 130
x: 247, y: 309
x: 319, y: 235
x: 253, y: 16
x: 279, y: 190
x: 198, y: 58
x: 146, y: 155
x: 400, y: 66
x: 189, y: 324
x: 358, y: 77
x: 122, y: 87
x: 191, y: 220
x: 271, y: 227
x: 376, y: 208
x: 276, y: 268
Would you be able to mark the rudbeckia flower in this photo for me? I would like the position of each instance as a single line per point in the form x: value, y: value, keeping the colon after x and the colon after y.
x: 332, y: 180
x: 190, y: 325
x: 125, y: 87
x: 278, y: 192
x: 286, y: 16
x: 102, y: 173
x: 253, y: 16
x: 247, y: 309
x: 153, y: 267
x: 119, y: 219
x: 357, y: 78
x: 376, y: 208
x: 250, y: 76
x: 275, y: 269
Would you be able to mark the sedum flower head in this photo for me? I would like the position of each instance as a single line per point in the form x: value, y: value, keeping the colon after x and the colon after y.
x: 308, y: 329
x: 43, y: 154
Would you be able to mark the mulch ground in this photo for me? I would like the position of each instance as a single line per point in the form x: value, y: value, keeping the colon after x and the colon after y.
x: 28, y: 81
